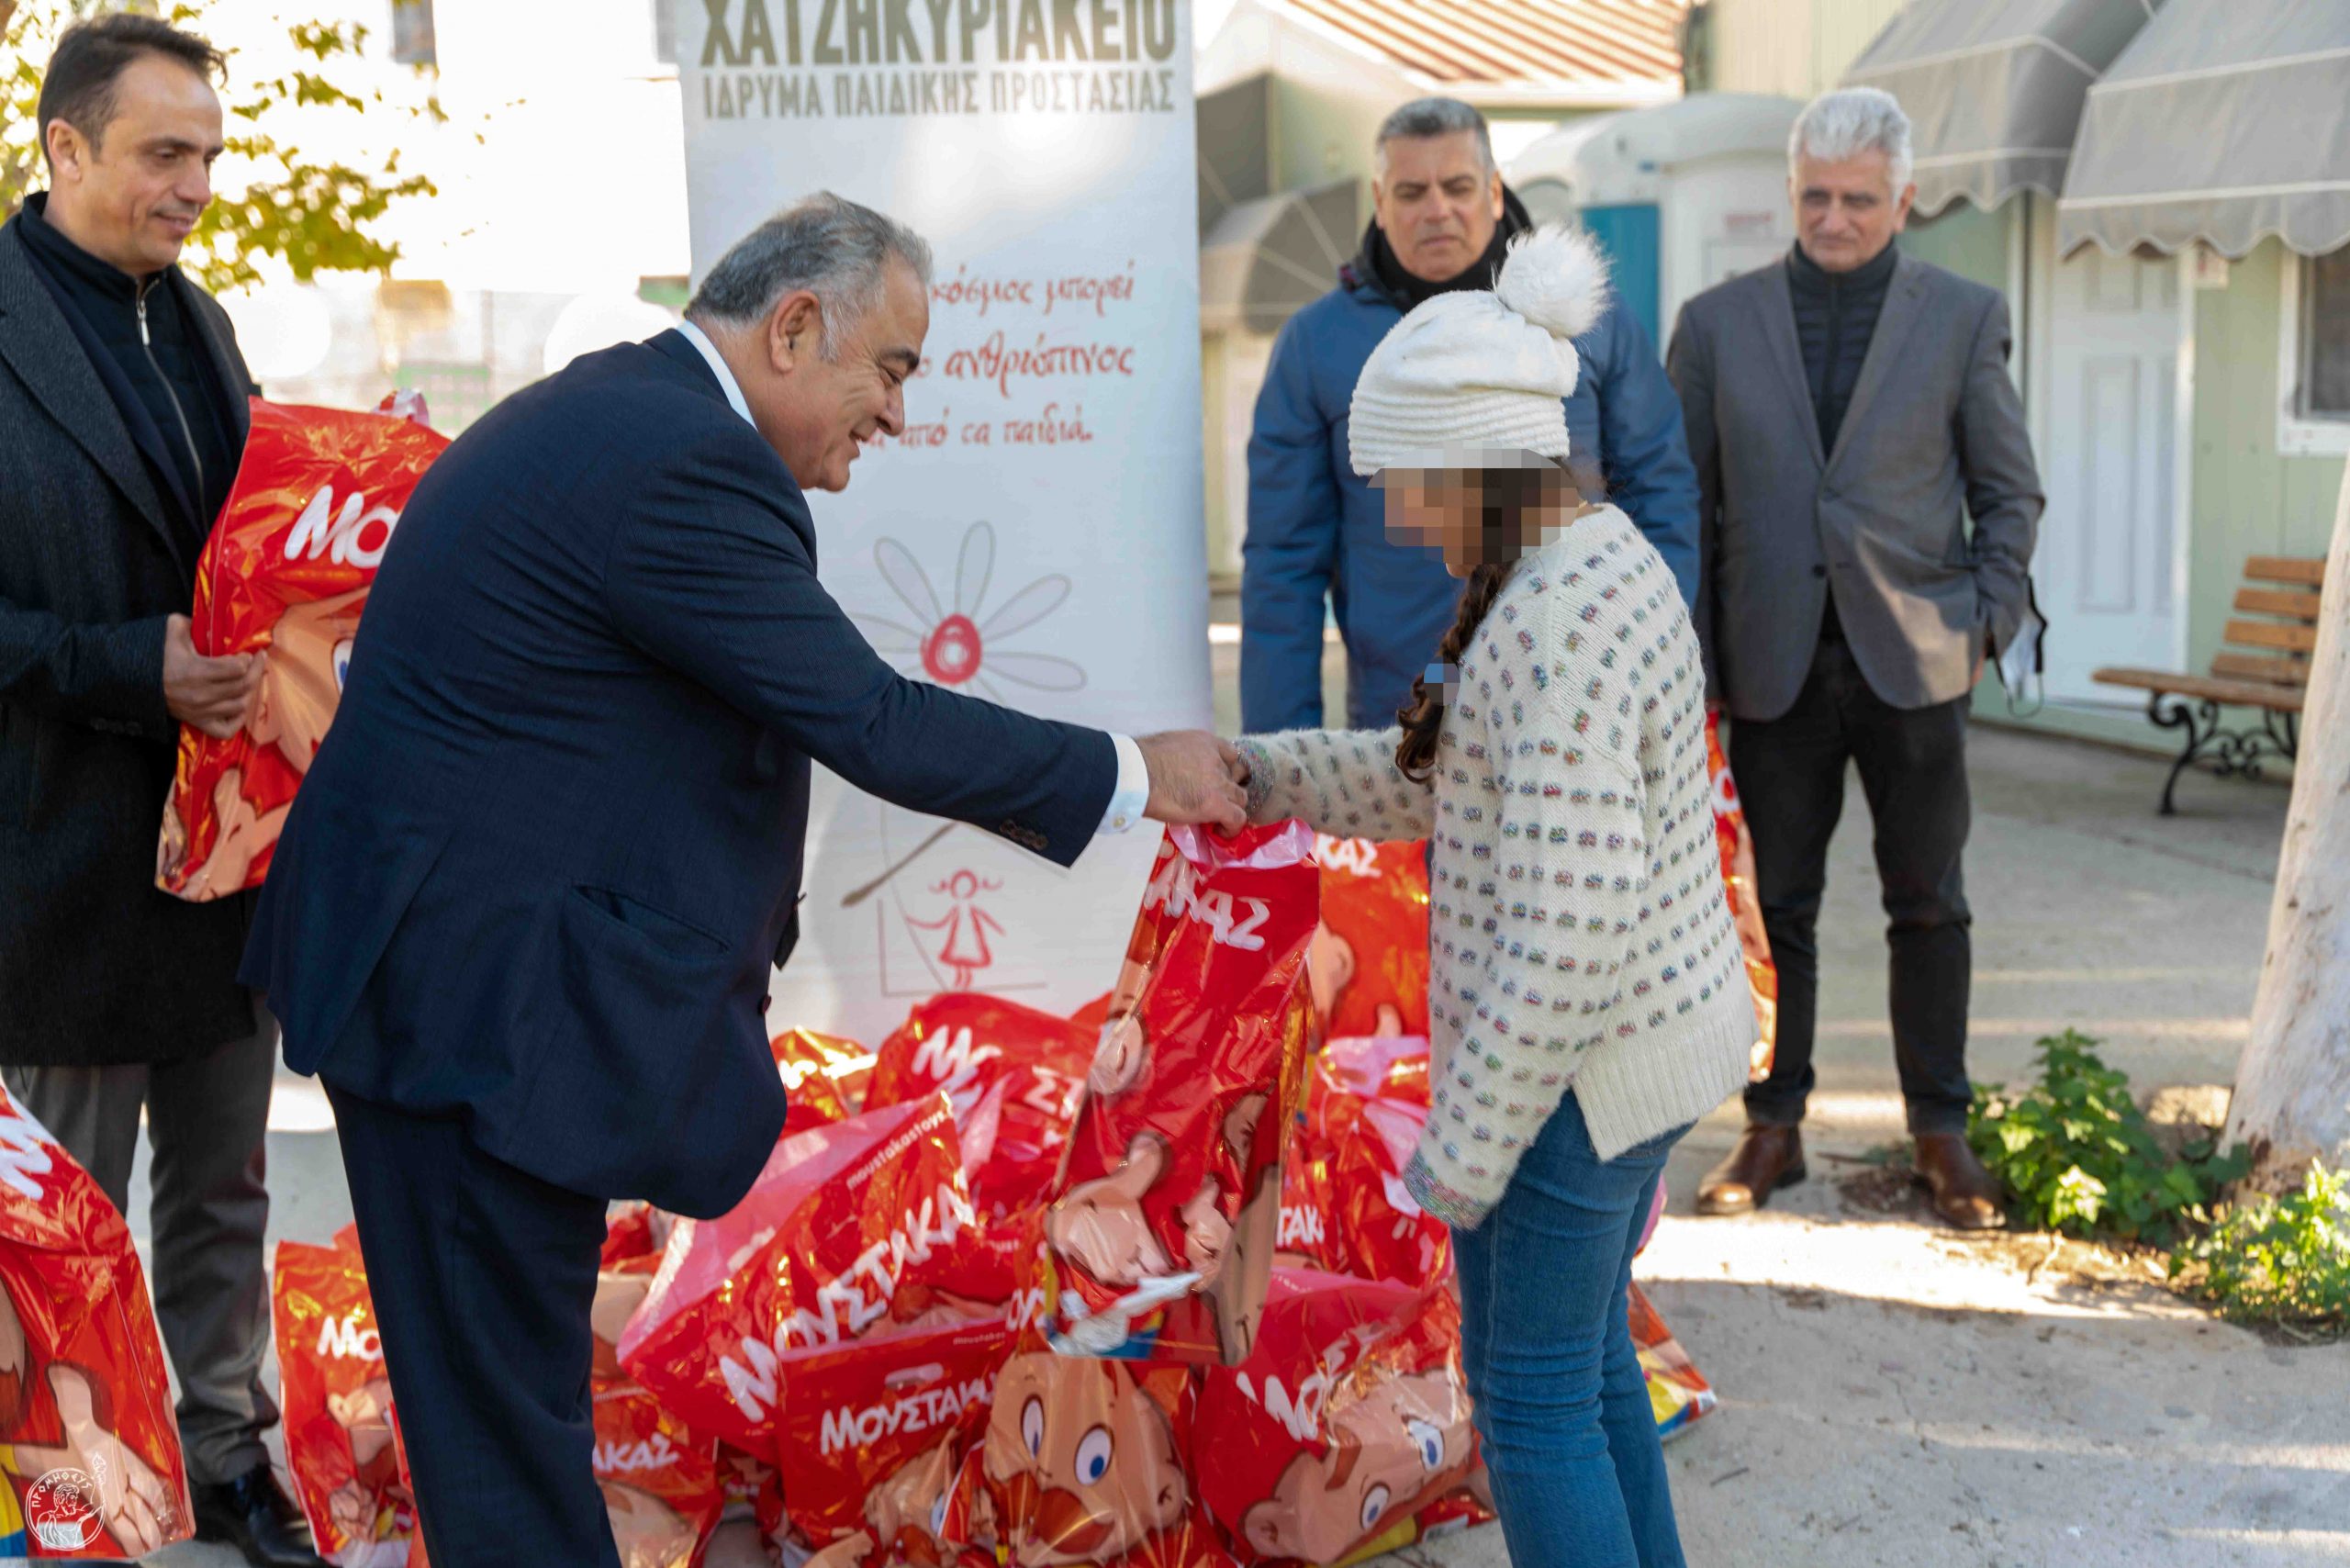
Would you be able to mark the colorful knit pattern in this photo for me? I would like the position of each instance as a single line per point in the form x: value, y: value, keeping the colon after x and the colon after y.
x: 1579, y: 930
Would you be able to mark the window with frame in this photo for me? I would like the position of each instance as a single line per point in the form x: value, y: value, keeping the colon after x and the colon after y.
x: 2324, y: 392
x: 412, y: 33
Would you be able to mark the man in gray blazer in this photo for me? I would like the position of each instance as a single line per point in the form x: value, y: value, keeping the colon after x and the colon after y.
x: 122, y: 420
x: 1849, y: 410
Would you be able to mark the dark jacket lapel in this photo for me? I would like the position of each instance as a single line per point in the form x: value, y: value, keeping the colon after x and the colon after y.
x: 1779, y: 327
x: 210, y: 325
x: 46, y: 355
x: 1904, y: 302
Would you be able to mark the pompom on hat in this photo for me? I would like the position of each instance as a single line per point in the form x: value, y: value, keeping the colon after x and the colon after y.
x: 1482, y: 368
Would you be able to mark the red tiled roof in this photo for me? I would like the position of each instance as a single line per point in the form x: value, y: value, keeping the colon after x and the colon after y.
x: 1514, y: 44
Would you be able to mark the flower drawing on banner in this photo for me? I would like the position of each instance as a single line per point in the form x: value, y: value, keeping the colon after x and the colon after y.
x: 960, y: 643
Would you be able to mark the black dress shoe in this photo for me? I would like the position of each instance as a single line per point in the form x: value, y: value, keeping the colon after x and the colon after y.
x: 254, y: 1514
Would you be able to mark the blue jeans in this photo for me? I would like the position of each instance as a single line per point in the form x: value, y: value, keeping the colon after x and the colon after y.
x: 1546, y: 1347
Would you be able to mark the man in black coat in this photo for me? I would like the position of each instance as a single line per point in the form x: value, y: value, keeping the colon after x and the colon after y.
x: 122, y: 418
x: 524, y: 914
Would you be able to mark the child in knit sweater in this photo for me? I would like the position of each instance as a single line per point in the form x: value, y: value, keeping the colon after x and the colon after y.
x: 1588, y: 997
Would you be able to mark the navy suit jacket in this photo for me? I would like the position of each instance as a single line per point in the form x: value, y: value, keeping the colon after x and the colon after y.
x: 548, y: 853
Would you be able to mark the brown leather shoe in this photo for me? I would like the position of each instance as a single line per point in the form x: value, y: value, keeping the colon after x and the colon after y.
x: 1766, y: 1160
x: 1966, y: 1196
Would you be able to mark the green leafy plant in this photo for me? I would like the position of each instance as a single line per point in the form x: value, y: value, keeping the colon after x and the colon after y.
x: 2077, y: 1154
x: 2278, y: 1259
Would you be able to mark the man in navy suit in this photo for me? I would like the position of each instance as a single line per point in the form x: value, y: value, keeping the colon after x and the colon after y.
x: 523, y: 916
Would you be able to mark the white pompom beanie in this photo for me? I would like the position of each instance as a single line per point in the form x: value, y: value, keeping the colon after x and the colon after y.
x: 1482, y: 368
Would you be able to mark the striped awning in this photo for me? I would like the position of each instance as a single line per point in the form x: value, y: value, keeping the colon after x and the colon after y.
x: 2225, y: 121
x: 1994, y: 88
x: 1268, y: 258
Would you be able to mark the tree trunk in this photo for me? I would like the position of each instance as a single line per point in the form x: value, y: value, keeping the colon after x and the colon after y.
x: 2293, y: 1098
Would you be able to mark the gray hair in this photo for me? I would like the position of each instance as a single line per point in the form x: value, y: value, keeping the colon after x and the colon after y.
x: 1424, y: 117
x: 832, y: 247
x: 1851, y: 121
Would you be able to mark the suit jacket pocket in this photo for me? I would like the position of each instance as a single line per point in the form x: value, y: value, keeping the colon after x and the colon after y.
x: 637, y: 990
x: 662, y: 929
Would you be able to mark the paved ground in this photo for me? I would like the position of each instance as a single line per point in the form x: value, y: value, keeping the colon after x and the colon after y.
x: 1889, y: 1395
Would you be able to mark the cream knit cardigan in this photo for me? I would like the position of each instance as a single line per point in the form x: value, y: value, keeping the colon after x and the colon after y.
x: 1580, y: 933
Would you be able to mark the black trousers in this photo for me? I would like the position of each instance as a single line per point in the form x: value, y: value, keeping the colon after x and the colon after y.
x: 1913, y: 762
x: 482, y: 1278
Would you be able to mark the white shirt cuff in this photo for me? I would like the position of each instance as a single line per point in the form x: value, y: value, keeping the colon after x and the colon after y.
x: 1134, y: 788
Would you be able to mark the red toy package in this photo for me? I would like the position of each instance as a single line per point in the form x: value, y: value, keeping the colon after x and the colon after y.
x: 338, y: 1401
x: 824, y: 1076
x: 1083, y: 1462
x: 1738, y: 874
x: 662, y: 1488
x: 1678, y: 1392
x: 873, y: 1436
x: 285, y: 575
x: 1165, y: 1215
x: 1346, y: 1432
x: 1344, y: 1205
x: 89, y: 1463
x: 1014, y: 1077
x: 851, y: 1228
x: 1369, y: 963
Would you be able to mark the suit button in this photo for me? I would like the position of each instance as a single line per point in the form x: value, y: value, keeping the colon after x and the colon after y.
x: 1820, y: 571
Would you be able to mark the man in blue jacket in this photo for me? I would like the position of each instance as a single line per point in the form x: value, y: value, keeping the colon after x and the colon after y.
x: 1442, y: 220
x: 524, y: 916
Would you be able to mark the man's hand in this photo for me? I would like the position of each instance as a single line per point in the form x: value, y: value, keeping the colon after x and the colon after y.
x: 209, y: 694
x: 1195, y: 778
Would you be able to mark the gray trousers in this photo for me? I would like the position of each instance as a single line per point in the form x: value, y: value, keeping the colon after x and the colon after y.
x: 207, y: 1124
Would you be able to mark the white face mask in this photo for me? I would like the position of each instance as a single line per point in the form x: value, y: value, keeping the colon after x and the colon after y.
x: 2022, y: 665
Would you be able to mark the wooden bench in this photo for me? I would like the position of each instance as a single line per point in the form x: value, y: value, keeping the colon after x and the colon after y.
x: 2265, y: 668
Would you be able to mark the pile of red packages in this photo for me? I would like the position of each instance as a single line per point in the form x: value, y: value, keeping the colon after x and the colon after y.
x: 284, y: 575
x: 90, y: 1464
x: 1140, y: 1288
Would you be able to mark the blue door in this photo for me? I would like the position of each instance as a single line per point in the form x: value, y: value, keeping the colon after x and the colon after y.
x: 1629, y: 235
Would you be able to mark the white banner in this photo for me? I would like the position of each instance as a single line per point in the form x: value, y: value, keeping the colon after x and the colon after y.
x: 1035, y: 538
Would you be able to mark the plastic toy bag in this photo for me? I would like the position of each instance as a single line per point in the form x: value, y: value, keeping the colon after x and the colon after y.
x: 1165, y: 1217
x: 1677, y: 1390
x: 852, y: 1229
x: 874, y: 1435
x: 662, y: 1487
x: 1369, y: 963
x: 1737, y: 846
x: 338, y: 1400
x: 824, y: 1076
x: 1344, y: 1206
x: 1084, y: 1462
x: 90, y: 1464
x: 284, y: 573
x: 1347, y: 1431
x: 1014, y: 1077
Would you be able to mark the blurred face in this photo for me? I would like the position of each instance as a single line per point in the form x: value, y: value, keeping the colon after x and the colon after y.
x: 821, y: 410
x: 1438, y: 203
x: 132, y: 196
x: 1847, y: 212
x: 1444, y: 510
